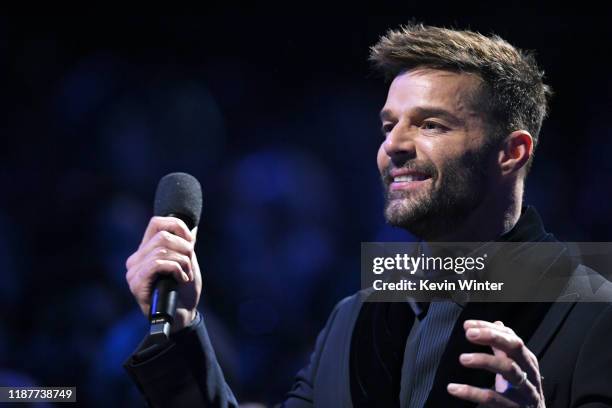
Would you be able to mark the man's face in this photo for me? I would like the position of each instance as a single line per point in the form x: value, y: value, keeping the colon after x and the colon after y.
x: 435, y: 156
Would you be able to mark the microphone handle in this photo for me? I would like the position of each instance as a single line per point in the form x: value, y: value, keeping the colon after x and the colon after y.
x: 164, y: 299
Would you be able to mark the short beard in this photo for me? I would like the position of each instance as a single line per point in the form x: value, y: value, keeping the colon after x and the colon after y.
x: 435, y: 212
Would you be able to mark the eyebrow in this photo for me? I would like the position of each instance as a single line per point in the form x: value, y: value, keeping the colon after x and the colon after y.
x: 421, y: 112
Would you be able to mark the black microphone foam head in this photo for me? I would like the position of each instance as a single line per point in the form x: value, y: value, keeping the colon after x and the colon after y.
x: 179, y: 195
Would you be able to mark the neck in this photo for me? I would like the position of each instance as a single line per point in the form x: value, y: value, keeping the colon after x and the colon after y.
x: 491, y: 219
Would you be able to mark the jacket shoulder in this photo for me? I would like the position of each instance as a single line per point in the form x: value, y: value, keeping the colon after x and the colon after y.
x: 588, y: 285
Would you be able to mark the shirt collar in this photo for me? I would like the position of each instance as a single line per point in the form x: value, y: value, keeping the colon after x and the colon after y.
x: 528, y: 228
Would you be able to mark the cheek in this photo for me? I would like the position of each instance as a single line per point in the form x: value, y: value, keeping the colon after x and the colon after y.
x: 440, y: 152
x: 429, y: 148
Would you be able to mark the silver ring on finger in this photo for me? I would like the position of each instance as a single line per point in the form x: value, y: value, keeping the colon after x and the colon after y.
x: 523, y: 379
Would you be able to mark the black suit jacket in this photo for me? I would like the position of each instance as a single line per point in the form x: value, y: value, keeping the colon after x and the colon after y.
x: 573, y: 343
x: 572, y: 339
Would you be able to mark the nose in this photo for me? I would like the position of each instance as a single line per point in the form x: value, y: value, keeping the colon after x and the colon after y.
x: 399, y: 145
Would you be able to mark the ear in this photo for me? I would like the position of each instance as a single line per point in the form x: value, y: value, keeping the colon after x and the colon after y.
x: 515, y: 151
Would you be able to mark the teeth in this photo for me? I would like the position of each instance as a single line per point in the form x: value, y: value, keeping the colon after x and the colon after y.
x: 412, y: 177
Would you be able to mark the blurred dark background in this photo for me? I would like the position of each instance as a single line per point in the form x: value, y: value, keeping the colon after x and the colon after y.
x: 277, y: 117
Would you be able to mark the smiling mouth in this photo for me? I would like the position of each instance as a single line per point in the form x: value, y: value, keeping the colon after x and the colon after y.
x: 408, y: 178
x: 408, y: 182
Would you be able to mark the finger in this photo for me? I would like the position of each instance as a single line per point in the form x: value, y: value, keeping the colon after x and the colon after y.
x: 148, y: 272
x: 532, y: 357
x: 511, y: 344
x: 169, y: 255
x: 487, y: 397
x: 170, y: 224
x: 500, y: 325
x: 535, y: 378
x: 494, y: 337
x: 163, y: 239
x: 469, y: 324
x: 141, y: 283
x: 505, y: 366
x: 162, y: 253
x: 195, y: 267
x: 494, y: 364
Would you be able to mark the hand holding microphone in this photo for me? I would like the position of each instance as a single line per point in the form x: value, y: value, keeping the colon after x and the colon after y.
x: 163, y: 273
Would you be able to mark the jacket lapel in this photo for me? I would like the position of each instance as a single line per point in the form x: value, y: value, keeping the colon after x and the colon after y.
x: 548, y: 328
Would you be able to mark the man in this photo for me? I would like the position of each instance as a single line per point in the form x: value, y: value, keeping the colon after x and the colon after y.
x: 460, y: 124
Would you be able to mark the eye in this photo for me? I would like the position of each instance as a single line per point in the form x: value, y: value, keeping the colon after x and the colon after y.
x: 386, y: 128
x: 430, y: 125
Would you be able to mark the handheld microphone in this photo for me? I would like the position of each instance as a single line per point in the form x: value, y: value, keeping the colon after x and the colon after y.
x: 178, y: 195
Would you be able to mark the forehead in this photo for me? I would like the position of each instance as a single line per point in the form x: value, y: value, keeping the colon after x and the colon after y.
x: 449, y: 90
